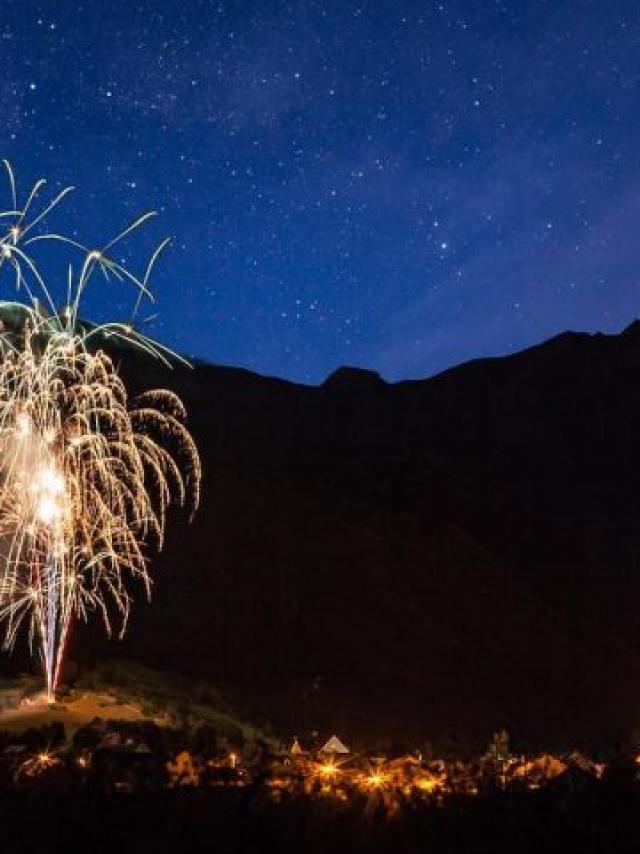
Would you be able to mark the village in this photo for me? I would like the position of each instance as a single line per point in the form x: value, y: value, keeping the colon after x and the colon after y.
x: 134, y: 757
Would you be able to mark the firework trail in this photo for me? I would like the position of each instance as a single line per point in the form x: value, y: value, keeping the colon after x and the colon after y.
x: 86, y: 474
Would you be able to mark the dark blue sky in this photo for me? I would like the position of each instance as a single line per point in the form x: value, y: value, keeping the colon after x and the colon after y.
x: 397, y: 185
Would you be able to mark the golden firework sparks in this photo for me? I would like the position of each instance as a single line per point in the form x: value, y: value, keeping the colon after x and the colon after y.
x: 87, y: 475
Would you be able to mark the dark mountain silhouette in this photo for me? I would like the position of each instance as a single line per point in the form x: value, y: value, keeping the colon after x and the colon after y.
x: 427, y: 559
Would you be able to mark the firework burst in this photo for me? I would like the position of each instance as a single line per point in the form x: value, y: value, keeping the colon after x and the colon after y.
x: 87, y: 475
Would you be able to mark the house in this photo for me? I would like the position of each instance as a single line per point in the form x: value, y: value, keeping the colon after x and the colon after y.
x: 334, y: 747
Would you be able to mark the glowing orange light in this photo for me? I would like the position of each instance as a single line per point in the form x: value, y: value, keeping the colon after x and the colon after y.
x: 328, y: 769
x: 376, y: 780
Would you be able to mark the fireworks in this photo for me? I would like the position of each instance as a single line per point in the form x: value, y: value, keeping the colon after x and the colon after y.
x: 87, y: 475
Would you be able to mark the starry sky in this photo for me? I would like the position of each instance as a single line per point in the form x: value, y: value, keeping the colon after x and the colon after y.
x: 395, y: 185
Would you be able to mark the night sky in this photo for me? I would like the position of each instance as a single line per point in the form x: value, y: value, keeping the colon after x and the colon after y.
x: 395, y: 185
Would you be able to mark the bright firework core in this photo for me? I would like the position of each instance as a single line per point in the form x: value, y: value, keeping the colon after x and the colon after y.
x: 86, y: 475
x: 50, y: 501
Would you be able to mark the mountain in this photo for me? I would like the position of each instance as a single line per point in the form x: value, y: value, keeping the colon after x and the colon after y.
x: 423, y: 560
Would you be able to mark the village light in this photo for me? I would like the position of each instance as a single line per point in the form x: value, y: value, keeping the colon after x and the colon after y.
x: 328, y: 769
x: 376, y: 780
x: 427, y: 785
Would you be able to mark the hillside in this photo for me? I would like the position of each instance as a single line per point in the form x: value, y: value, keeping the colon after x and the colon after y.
x: 425, y: 559
x: 124, y: 692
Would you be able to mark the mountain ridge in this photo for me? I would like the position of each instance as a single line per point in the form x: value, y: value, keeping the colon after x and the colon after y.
x: 527, y: 460
x: 424, y: 559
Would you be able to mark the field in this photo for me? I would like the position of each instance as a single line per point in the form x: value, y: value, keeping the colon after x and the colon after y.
x: 122, y: 691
